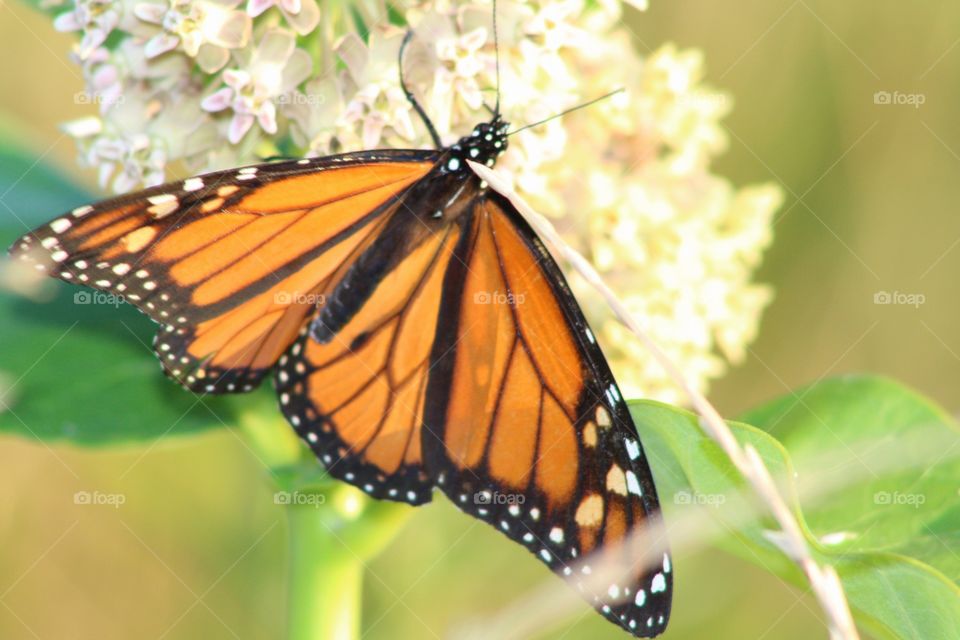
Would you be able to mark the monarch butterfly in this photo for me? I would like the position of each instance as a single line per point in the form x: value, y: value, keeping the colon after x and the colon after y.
x: 421, y: 335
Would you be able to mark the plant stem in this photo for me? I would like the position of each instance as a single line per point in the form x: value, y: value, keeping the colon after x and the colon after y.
x: 334, y: 531
x: 326, y: 580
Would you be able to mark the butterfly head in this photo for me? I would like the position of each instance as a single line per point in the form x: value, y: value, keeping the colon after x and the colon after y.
x: 484, y: 145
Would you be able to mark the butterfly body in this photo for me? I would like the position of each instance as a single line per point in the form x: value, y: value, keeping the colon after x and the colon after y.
x: 420, y: 336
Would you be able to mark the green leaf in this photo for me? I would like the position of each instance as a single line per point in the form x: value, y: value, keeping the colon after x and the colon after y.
x: 891, y: 451
x: 79, y: 366
x: 894, y: 551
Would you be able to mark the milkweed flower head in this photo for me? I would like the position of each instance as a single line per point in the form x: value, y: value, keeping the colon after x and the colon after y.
x: 199, y: 85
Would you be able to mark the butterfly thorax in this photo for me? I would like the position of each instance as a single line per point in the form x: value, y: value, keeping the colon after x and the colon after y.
x: 484, y: 145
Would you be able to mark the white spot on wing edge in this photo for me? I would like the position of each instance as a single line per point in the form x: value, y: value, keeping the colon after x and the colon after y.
x: 60, y: 225
x: 633, y: 486
x: 641, y: 598
x: 162, y: 198
x: 658, y: 584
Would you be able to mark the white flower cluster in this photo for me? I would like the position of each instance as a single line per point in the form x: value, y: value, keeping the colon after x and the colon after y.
x: 215, y: 84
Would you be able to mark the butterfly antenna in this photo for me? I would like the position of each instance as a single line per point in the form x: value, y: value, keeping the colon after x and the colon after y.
x: 566, y: 111
x: 496, y: 51
x: 412, y: 99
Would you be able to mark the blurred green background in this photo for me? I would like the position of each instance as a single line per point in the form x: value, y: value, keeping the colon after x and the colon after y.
x: 198, y: 549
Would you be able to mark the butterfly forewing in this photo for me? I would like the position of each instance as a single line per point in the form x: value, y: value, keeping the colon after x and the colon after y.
x: 231, y: 263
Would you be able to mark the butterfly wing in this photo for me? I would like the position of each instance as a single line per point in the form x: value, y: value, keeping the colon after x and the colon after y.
x: 358, y: 399
x: 354, y: 383
x: 525, y: 427
x: 230, y: 263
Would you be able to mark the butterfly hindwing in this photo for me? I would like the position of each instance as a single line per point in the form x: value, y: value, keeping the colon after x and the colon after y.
x: 525, y: 427
x: 229, y: 263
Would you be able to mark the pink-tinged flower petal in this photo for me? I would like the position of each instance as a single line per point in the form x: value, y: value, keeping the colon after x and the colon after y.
x: 107, y: 22
x: 154, y: 178
x: 403, y: 124
x: 160, y: 44
x: 353, y: 112
x: 125, y: 182
x: 233, y: 32
x: 471, y: 94
x: 275, y: 47
x: 469, y: 66
x: 306, y: 18
x: 103, y: 77
x: 138, y: 142
x: 256, y: 7
x: 98, y: 56
x: 111, y: 97
x: 150, y: 12
x: 297, y: 70
x: 211, y: 58
x: 104, y: 172
x: 474, y: 40
x: 218, y: 100
x: 291, y: 6
x: 446, y: 49
x: 83, y: 127
x: 69, y: 21
x: 354, y: 54
x: 92, y: 39
x: 372, y: 130
x: 190, y: 41
x: 268, y: 118
x: 236, y: 78
x: 239, y: 126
